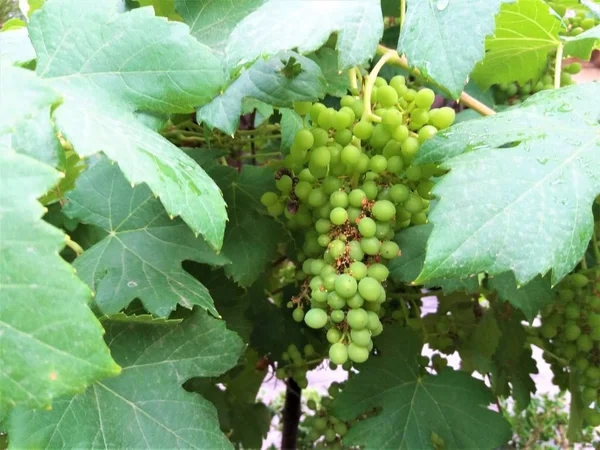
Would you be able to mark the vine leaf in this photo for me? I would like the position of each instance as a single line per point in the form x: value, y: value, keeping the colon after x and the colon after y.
x: 264, y: 81
x: 36, y: 138
x: 131, y: 62
x: 526, y: 178
x: 43, y: 355
x: 291, y: 122
x: 141, y: 255
x: 212, y: 22
x: 251, y: 236
x: 146, y: 400
x: 581, y: 46
x: 306, y: 26
x: 338, y: 82
x: 530, y: 299
x: 526, y: 32
x: 452, y: 405
x: 15, y: 46
x: 450, y: 25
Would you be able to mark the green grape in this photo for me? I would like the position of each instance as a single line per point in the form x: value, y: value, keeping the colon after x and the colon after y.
x: 326, y: 118
x: 426, y: 133
x: 357, y: 318
x: 585, y: 343
x: 414, y: 173
x: 342, y: 119
x: 361, y: 337
x: 425, y: 98
x: 391, y: 120
x: 378, y: 272
x: 398, y: 82
x: 335, y: 300
x: 356, y: 253
x: 357, y: 354
x: 320, y: 157
x: 358, y: 107
x: 347, y: 100
x: 419, y: 116
x: 356, y: 198
x: 315, y: 318
x: 358, y: 270
x: 337, y: 316
x: 395, y: 165
x: 302, y: 108
x: 356, y: 301
x: 343, y: 137
x: 572, y: 332
x: 338, y: 353
x: 324, y: 240
x: 303, y: 190
x: 410, y: 146
x: 320, y: 137
x: 363, y: 130
x: 339, y: 199
x: 353, y: 214
x: 369, y: 288
x: 275, y: 210
x: 304, y: 139
x: 399, y: 193
x: 345, y: 285
x: 338, y: 216
x: 367, y: 227
x: 401, y: 133
x: 350, y: 155
x: 424, y: 189
x: 322, y: 226
x: 341, y: 428
x: 389, y: 249
x: 378, y: 164
x: 370, y: 189
x: 298, y: 315
x: 320, y: 424
x: 337, y: 248
x: 387, y: 96
x: 383, y: 210
x: 269, y: 199
x: 380, y: 137
x: 317, y: 198
x: 413, y: 204
x: 578, y: 280
x: 334, y: 335
x: 443, y: 117
x: 370, y: 245
x: 284, y: 184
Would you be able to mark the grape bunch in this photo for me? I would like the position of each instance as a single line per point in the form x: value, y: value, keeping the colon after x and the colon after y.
x: 571, y: 331
x: 298, y: 364
x: 346, y: 188
x: 575, y: 25
x: 326, y: 430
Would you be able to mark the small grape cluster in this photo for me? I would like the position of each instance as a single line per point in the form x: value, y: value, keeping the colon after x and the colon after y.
x: 326, y: 430
x: 571, y: 331
x: 348, y: 185
x: 298, y: 364
x: 576, y: 24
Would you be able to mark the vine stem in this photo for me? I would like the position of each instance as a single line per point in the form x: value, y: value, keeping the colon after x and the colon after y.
x: 74, y: 245
x: 260, y: 155
x: 464, y: 98
x: 353, y: 80
x: 402, y: 11
x: 596, y: 247
x: 557, y: 65
x: 291, y: 415
x: 371, y: 78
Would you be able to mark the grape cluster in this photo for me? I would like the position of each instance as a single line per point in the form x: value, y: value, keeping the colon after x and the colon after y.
x: 576, y: 24
x: 347, y: 186
x: 571, y: 331
x: 298, y: 364
x: 326, y: 430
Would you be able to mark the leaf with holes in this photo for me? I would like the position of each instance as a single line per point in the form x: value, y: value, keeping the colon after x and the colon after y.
x: 450, y: 25
x: 130, y: 62
x: 146, y: 404
x: 141, y: 255
x: 526, y: 32
x: 452, y: 405
x: 526, y: 178
x: 306, y: 26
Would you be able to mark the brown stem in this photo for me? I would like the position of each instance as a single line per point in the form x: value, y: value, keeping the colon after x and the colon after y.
x: 291, y: 415
x: 464, y: 98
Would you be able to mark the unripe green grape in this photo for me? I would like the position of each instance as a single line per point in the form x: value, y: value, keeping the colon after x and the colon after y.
x: 425, y: 98
x: 338, y: 216
x: 392, y: 148
x: 337, y: 316
x: 317, y: 198
x: 410, y: 146
x: 350, y: 155
x: 324, y: 240
x: 305, y: 175
x: 319, y: 296
x: 400, y: 133
x: 326, y: 118
x: 512, y: 89
x: 578, y: 280
x: 395, y: 164
x: 339, y: 199
x: 358, y: 107
x: 389, y: 249
x: 397, y: 81
x: 593, y: 373
x: 380, y: 81
x: 353, y: 214
x: 338, y: 353
x: 356, y: 301
x: 399, y: 193
x: 302, y: 108
x: 572, y: 311
x: 315, y: 110
x: 378, y: 163
x: 345, y: 285
x: 414, y: 173
x: 343, y: 137
x: 303, y: 190
x: 593, y: 319
x: 361, y: 337
x: 548, y: 331
x: 419, y: 218
x: 304, y: 139
x: 320, y: 157
x: 337, y: 248
x: 317, y: 170
x: 335, y: 301
x: 357, y: 354
x: 378, y: 271
x: 443, y: 118
x: 383, y: 210
x: 343, y: 119
x: 362, y: 165
x: 276, y: 209
x: 585, y: 343
x: 358, y: 270
x: 315, y: 318
x: 363, y: 130
x: 391, y: 120
x: 380, y: 137
x: 413, y: 204
x: 572, y: 332
x: 369, y: 288
x: 347, y: 100
x: 357, y: 197
x: 424, y: 188
x: 588, y: 395
x: 581, y: 363
x: 356, y: 252
x: 329, y: 280
x: 591, y: 416
x: 284, y: 184
x: 269, y: 199
x: 419, y: 115
x: 370, y: 246
x: 322, y: 226
x: 320, y: 136
x: 367, y: 227
x: 370, y: 189
x: 298, y: 315
x: 382, y: 230
x: 426, y: 133
x: 357, y: 318
x: 576, y: 31
x: 387, y: 96
x: 374, y: 321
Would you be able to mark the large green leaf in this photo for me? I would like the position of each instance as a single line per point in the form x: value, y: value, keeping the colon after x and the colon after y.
x: 530, y: 299
x: 452, y: 405
x: 211, y: 22
x: 337, y: 81
x: 526, y: 32
x: 145, y: 406
x: 131, y: 62
x: 51, y: 342
x: 412, y: 242
x: 445, y: 39
x: 264, y: 81
x: 36, y: 137
x: 141, y: 255
x: 290, y: 123
x: 15, y: 46
x: 281, y: 25
x: 526, y: 179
